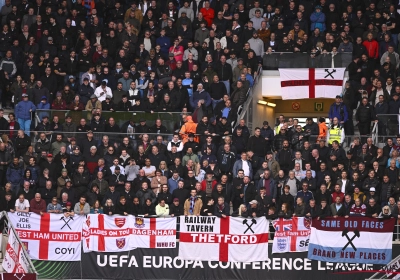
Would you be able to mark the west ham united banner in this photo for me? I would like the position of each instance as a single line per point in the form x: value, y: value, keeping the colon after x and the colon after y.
x: 223, y: 239
x: 311, y: 83
x: 50, y: 236
x: 291, y: 235
x: 351, y: 240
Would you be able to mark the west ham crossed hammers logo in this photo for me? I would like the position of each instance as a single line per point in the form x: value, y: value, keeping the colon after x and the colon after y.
x: 253, y: 222
x: 330, y: 73
x: 66, y: 221
x: 350, y: 240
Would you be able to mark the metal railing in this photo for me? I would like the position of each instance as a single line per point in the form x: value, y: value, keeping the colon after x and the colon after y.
x: 243, y: 109
x: 388, y: 125
x: 276, y: 60
x: 169, y: 119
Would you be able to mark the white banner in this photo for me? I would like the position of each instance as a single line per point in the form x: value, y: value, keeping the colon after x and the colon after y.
x: 104, y: 233
x: 351, y: 240
x: 14, y: 260
x: 223, y: 239
x: 50, y: 236
x: 154, y: 232
x: 301, y: 83
x: 291, y: 235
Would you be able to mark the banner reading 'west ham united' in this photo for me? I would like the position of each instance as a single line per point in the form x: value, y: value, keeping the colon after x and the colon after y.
x: 311, y: 83
x: 49, y: 236
x: 291, y: 235
x: 351, y: 240
x: 223, y: 239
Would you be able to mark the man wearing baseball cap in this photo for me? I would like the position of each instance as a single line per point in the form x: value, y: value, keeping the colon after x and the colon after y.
x: 23, y: 113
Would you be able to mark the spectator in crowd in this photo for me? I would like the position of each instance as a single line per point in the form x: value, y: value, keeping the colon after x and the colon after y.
x: 21, y: 204
x: 193, y: 204
x: 54, y: 206
x: 38, y: 205
x: 82, y: 207
x: 162, y: 209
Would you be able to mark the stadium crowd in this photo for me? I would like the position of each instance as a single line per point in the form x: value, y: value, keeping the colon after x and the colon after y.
x: 194, y: 56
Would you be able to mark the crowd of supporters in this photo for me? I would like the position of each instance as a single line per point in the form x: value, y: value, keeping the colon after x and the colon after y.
x: 280, y: 172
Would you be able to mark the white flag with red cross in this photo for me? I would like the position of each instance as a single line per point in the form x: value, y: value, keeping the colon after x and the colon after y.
x: 301, y: 83
x: 104, y: 233
x: 14, y: 260
x: 154, y: 232
x: 223, y: 239
x: 291, y: 235
x: 49, y: 236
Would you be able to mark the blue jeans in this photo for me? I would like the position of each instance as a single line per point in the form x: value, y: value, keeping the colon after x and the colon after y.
x: 395, y: 40
x: 228, y: 87
x: 25, y: 125
x: 214, y: 103
x: 15, y: 189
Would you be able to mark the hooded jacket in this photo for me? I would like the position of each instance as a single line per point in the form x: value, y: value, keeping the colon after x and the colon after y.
x: 22, y: 110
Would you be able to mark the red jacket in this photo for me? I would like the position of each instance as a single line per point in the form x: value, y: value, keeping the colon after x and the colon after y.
x: 335, y: 194
x: 203, y: 184
x: 37, y: 207
x: 208, y: 15
x: 372, y: 48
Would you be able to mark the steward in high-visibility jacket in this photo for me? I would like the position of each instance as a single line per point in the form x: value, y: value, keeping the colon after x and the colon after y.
x: 335, y: 132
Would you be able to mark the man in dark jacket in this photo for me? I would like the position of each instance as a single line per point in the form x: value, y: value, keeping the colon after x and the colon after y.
x: 111, y: 194
x: 238, y: 96
x: 394, y: 106
x: 85, y: 91
x: 373, y: 209
x: 311, y: 127
x: 285, y: 157
x: 268, y: 134
x: 381, y: 107
x: 22, y: 143
x: 222, y: 208
x: 364, y: 115
x: 257, y: 143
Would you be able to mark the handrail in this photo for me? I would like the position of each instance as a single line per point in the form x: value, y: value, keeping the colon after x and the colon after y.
x: 249, y: 99
x: 374, y: 133
x: 8, y: 226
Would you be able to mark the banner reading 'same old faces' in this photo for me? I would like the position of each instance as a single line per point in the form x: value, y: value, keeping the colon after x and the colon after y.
x: 351, y: 240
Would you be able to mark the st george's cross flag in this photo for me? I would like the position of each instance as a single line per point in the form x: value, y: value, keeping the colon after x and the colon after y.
x: 15, y: 260
x: 223, y: 239
x: 291, y: 235
x: 104, y: 233
x: 154, y: 232
x: 301, y: 83
x: 49, y: 236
